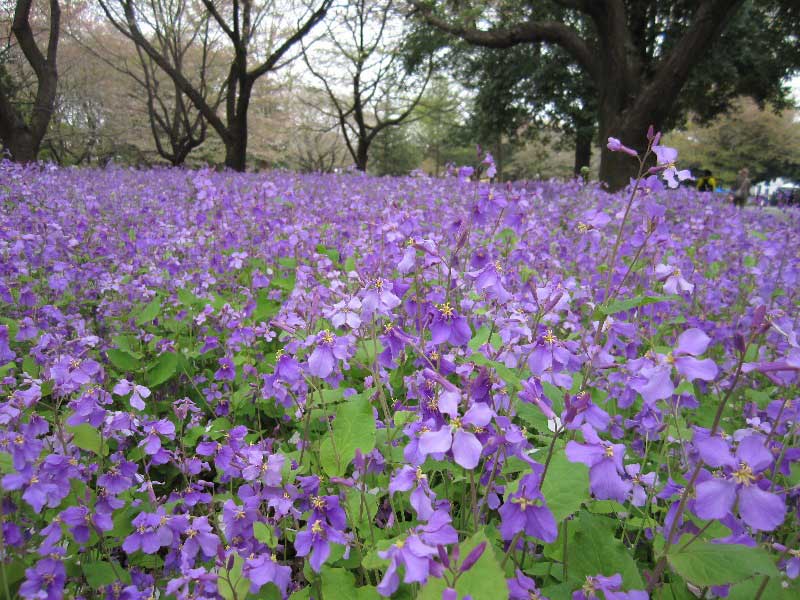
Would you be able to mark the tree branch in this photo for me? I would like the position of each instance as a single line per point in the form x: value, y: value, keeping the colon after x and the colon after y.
x: 527, y: 32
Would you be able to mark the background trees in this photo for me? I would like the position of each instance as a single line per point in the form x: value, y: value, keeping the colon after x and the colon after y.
x: 361, y: 70
x: 764, y: 141
x: 531, y: 84
x: 259, y: 33
x: 637, y: 55
x: 23, y: 126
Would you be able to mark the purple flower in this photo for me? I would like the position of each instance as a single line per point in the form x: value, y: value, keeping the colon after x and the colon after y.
x: 414, y: 555
x: 448, y: 326
x: 199, y: 536
x: 422, y: 497
x: 616, y: 146
x: 666, y: 158
x: 138, y: 393
x: 655, y: 382
x: 762, y: 510
x: 45, y: 580
x: 674, y: 282
x: 263, y: 569
x: 226, y: 371
x: 153, y: 431
x: 151, y: 532
x: 316, y: 540
x: 489, y: 281
x: 580, y: 408
x: 329, y: 348
x: 605, y: 465
x: 6, y: 354
x: 525, y: 510
x: 523, y: 587
x: 610, y: 586
x: 639, y: 482
x: 466, y: 447
x: 378, y: 299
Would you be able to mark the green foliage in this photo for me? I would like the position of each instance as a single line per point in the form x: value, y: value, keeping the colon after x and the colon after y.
x: 594, y: 549
x: 704, y: 563
x: 565, y: 487
x: 484, y: 581
x: 353, y: 429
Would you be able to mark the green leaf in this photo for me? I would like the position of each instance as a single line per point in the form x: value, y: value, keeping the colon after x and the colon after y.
x: 6, y: 463
x: 122, y: 360
x: 503, y: 372
x: 102, y: 573
x: 148, y: 313
x: 88, y: 438
x: 163, y: 369
x: 232, y: 584
x: 484, y: 581
x: 482, y: 336
x: 704, y: 563
x: 622, y: 305
x: 774, y: 590
x: 337, y: 583
x: 593, y: 549
x: 353, y: 428
x: 265, y: 307
x: 565, y: 487
x: 264, y: 534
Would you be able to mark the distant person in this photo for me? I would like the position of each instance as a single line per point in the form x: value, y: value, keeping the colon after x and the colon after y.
x: 707, y: 183
x: 741, y: 189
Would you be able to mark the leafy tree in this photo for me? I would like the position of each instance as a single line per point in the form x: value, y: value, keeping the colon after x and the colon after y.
x: 763, y: 140
x: 439, y: 126
x: 243, y: 24
x: 637, y: 57
x: 394, y: 152
x: 363, y: 74
x: 22, y: 134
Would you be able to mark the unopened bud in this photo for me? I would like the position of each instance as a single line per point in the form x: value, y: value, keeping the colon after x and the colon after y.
x: 738, y: 343
x: 758, y: 316
x: 473, y: 557
x: 443, y: 555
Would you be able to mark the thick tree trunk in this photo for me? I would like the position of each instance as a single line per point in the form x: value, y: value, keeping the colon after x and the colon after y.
x: 21, y: 145
x: 362, y: 156
x: 583, y: 149
x: 236, y: 153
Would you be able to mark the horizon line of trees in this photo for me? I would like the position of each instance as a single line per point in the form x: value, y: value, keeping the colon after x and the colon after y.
x: 394, y: 85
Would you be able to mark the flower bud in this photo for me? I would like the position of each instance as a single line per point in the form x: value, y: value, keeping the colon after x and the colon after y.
x: 473, y: 557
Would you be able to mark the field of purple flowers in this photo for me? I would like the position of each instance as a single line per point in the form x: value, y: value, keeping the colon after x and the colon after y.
x: 220, y: 385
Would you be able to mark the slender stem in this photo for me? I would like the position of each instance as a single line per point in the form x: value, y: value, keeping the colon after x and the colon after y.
x: 511, y: 547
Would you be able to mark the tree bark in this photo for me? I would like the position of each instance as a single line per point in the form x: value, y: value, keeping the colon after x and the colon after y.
x: 22, y: 139
x: 583, y: 150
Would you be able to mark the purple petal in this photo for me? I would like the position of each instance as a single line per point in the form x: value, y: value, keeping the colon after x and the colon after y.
x: 479, y: 414
x: 435, y: 442
x: 321, y: 361
x: 693, y: 341
x: 715, y: 498
x: 466, y: 449
x: 693, y: 368
x: 605, y: 482
x: 440, y: 331
x: 587, y: 454
x: 714, y: 451
x: 761, y: 510
x: 752, y: 451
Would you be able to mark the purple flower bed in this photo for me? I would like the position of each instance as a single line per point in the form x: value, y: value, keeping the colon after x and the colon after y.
x: 221, y: 385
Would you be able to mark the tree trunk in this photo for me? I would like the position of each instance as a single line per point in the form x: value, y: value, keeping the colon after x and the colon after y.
x: 236, y: 153
x: 583, y: 150
x: 21, y: 145
x: 361, y: 155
